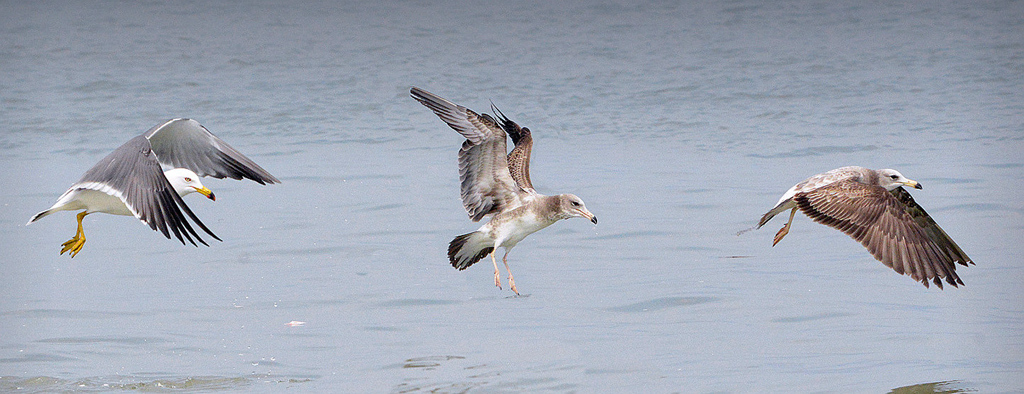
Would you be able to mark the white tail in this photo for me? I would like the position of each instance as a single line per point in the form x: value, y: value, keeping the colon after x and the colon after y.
x: 40, y: 215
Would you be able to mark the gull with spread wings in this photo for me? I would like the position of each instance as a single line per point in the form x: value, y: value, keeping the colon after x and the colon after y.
x: 497, y: 185
x: 148, y: 175
x: 872, y: 207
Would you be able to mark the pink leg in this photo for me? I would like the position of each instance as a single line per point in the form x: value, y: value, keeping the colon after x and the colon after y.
x: 785, y: 229
x: 497, y: 277
x: 511, y: 280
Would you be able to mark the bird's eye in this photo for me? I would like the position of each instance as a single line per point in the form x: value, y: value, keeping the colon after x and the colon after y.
x: 187, y: 179
x: 575, y: 204
x: 894, y: 177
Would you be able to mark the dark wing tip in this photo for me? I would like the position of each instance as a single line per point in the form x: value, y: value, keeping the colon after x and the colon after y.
x: 511, y: 128
x: 931, y: 262
x: 422, y: 96
x: 188, y: 144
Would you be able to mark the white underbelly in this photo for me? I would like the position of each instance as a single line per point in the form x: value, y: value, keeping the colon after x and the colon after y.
x: 96, y: 201
x: 510, y: 232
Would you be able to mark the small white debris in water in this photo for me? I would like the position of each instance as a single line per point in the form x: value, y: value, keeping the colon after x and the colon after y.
x: 295, y: 323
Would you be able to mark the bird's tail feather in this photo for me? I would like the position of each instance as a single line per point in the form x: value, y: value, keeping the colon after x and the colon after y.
x: 467, y: 249
x: 781, y: 207
x: 41, y: 215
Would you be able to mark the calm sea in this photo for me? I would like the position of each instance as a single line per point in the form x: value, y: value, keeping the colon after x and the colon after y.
x: 679, y: 123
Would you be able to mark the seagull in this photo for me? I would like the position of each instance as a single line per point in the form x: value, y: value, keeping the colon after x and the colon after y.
x: 497, y: 185
x: 872, y: 207
x: 148, y: 175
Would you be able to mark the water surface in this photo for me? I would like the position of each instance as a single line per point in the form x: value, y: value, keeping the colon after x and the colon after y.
x: 678, y: 123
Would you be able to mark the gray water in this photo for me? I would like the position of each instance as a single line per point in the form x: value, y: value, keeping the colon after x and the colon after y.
x: 678, y: 123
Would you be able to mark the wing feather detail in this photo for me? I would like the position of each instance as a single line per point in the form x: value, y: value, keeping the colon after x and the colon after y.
x: 487, y: 186
x: 184, y: 143
x: 519, y: 157
x: 889, y: 226
x: 132, y: 173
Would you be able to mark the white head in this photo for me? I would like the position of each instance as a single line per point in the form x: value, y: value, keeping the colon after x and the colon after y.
x: 572, y: 206
x: 891, y: 179
x: 185, y: 181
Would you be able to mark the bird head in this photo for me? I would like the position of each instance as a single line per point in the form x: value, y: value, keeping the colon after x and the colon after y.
x: 186, y: 181
x: 891, y: 179
x: 573, y: 206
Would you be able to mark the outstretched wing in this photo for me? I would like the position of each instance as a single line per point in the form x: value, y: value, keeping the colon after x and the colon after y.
x: 184, y: 143
x: 932, y: 229
x: 487, y: 186
x: 132, y: 173
x: 875, y: 218
x: 519, y: 158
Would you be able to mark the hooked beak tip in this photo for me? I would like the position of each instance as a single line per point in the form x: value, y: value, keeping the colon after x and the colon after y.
x: 593, y: 219
x: 206, y: 192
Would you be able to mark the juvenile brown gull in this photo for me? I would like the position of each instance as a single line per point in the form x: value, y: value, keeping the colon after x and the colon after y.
x: 497, y: 185
x: 872, y: 207
x: 147, y: 176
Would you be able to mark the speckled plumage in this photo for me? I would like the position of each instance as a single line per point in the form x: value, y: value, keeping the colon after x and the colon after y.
x: 872, y: 207
x: 498, y: 185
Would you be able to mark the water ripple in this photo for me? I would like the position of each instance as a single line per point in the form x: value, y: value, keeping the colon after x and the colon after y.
x: 817, y: 151
x: 807, y: 318
x: 119, y: 340
x: 662, y: 303
x: 65, y: 314
x: 414, y: 302
x: 46, y: 384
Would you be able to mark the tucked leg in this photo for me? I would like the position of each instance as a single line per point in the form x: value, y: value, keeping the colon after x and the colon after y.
x: 785, y: 229
x: 74, y: 245
x: 511, y: 280
x: 497, y: 277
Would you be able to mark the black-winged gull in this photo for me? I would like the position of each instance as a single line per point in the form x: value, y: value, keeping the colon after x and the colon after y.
x: 873, y: 208
x: 147, y: 176
x: 498, y: 185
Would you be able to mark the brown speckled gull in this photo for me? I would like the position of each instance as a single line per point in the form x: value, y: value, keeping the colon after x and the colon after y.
x: 498, y: 185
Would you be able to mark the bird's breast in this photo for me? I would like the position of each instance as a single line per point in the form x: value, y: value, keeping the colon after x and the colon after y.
x: 513, y: 226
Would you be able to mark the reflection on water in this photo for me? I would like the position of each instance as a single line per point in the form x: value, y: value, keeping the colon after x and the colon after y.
x: 947, y: 387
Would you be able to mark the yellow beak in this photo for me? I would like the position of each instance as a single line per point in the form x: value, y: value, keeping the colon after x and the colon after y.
x: 206, y: 192
x: 913, y: 184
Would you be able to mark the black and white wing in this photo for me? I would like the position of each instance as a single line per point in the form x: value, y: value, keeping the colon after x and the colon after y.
x: 184, y: 143
x: 132, y: 173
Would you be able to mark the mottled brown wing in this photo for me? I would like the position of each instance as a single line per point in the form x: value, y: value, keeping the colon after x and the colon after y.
x: 932, y: 229
x: 519, y: 158
x: 487, y: 186
x: 875, y: 218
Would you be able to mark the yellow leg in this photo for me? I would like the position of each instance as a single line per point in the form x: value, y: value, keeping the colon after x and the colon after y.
x: 511, y: 280
x: 785, y: 229
x: 497, y: 277
x: 75, y: 244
